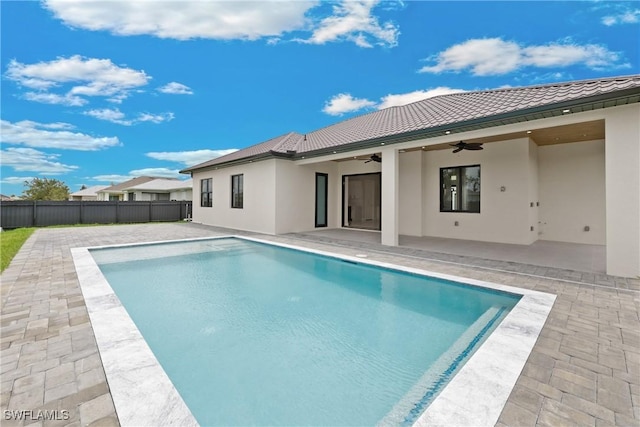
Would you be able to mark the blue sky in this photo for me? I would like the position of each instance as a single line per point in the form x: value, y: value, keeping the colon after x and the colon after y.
x: 100, y: 92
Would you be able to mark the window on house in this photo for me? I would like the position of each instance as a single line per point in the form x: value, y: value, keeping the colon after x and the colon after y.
x: 236, y: 191
x: 460, y: 189
x: 205, y: 193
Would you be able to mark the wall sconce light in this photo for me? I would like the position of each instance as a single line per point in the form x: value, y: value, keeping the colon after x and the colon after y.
x: 456, y: 223
x: 587, y: 228
x: 503, y: 189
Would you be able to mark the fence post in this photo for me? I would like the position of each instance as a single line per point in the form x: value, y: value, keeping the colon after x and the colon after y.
x: 81, y: 212
x: 35, y: 215
x: 150, y: 210
x: 117, y: 212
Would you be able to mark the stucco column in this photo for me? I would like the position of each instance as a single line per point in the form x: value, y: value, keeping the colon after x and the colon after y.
x: 622, y: 172
x: 390, y: 190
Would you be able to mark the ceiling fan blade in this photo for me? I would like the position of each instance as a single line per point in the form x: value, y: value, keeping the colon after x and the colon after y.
x: 367, y: 161
x: 457, y: 150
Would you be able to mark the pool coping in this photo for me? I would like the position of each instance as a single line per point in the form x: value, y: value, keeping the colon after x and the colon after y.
x: 143, y: 394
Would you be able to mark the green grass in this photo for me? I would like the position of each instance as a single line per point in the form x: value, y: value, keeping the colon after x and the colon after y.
x: 10, y: 243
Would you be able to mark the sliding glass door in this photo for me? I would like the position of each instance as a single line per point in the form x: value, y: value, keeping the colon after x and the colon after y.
x: 361, y: 196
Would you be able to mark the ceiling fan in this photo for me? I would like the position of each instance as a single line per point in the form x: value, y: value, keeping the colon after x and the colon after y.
x: 374, y: 158
x: 466, y: 146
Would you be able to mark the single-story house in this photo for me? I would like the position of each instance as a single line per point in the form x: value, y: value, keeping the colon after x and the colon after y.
x: 556, y: 162
x: 117, y: 192
x: 160, y: 189
x: 89, y: 193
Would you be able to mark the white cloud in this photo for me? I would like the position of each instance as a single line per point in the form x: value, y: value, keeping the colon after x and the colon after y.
x: 392, y: 100
x: 345, y: 103
x: 176, y: 88
x: 496, y: 56
x: 109, y: 115
x: 30, y: 160
x: 350, y: 20
x: 157, y: 172
x: 13, y: 180
x: 625, y: 17
x: 353, y: 21
x: 155, y: 118
x: 117, y: 116
x: 190, y: 158
x: 185, y: 20
x: 87, y: 77
x: 54, y: 98
x: 39, y: 135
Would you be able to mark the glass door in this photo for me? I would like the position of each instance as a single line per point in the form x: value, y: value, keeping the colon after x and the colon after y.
x: 361, y: 201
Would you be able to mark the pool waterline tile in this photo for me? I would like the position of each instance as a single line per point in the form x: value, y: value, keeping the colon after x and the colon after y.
x: 475, y: 396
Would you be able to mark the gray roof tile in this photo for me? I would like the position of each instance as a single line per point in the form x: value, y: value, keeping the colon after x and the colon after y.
x: 433, y: 112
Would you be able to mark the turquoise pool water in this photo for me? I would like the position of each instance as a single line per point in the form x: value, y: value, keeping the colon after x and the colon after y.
x: 254, y: 334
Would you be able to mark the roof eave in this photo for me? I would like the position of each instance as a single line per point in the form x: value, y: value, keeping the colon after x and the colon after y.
x: 518, y: 116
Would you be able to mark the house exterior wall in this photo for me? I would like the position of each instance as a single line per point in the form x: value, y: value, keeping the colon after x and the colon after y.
x: 259, y: 199
x: 181, y: 195
x: 410, y: 193
x: 296, y: 192
x: 572, y: 192
x: 622, y: 171
x: 504, y: 215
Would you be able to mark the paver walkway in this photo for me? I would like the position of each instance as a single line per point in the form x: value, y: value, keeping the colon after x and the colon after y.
x: 584, y: 370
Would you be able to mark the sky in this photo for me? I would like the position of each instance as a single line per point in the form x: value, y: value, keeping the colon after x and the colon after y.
x: 95, y: 93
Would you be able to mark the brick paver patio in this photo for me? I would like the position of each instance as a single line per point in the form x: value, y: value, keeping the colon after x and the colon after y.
x: 584, y: 369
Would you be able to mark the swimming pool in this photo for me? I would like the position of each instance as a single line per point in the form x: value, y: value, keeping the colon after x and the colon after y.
x: 251, y: 333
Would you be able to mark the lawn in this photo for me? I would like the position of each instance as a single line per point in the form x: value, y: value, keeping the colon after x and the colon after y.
x: 10, y: 243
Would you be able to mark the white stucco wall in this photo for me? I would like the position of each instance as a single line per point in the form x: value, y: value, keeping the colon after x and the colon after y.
x: 181, y: 195
x: 295, y: 196
x: 572, y: 192
x: 258, y: 213
x: 410, y: 193
x: 534, y: 196
x: 504, y: 216
x: 622, y: 170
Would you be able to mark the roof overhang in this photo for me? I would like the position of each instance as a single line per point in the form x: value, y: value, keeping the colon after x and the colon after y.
x: 596, y: 102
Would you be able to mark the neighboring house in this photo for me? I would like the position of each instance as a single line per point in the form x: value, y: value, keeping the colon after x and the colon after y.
x: 89, y: 193
x: 117, y: 192
x: 160, y: 189
x: 8, y: 198
x: 559, y: 162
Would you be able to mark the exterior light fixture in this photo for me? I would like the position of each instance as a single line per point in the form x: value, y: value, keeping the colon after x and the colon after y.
x: 566, y: 111
x: 528, y: 131
x: 382, y: 143
x: 447, y: 132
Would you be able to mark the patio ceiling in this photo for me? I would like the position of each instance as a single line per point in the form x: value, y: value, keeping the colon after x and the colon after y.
x: 576, y: 132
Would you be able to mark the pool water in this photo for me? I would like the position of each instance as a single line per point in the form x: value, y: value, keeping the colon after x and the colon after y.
x: 257, y: 334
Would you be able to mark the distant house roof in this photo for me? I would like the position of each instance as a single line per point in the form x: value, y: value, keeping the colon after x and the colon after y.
x: 162, y: 184
x: 431, y: 117
x: 90, y: 191
x: 120, y: 188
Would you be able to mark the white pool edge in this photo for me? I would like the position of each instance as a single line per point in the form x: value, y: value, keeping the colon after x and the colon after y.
x: 144, y: 395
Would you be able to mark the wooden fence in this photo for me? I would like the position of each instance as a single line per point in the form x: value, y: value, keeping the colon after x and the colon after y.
x: 22, y: 213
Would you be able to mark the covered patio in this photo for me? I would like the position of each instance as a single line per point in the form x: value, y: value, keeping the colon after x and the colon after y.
x: 559, y: 260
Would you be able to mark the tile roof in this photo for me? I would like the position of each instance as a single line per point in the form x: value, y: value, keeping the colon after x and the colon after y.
x: 119, y: 188
x: 89, y: 191
x: 162, y: 184
x: 437, y: 112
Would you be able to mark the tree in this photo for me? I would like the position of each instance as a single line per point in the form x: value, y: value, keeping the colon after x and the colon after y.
x: 45, y: 189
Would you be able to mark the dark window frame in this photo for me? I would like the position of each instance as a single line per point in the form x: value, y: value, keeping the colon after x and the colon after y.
x: 326, y: 199
x: 459, y: 193
x: 206, y: 193
x: 237, y: 191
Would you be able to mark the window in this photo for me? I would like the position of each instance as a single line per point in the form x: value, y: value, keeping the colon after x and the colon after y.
x: 205, y: 193
x: 460, y: 189
x: 321, y: 199
x: 236, y: 191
